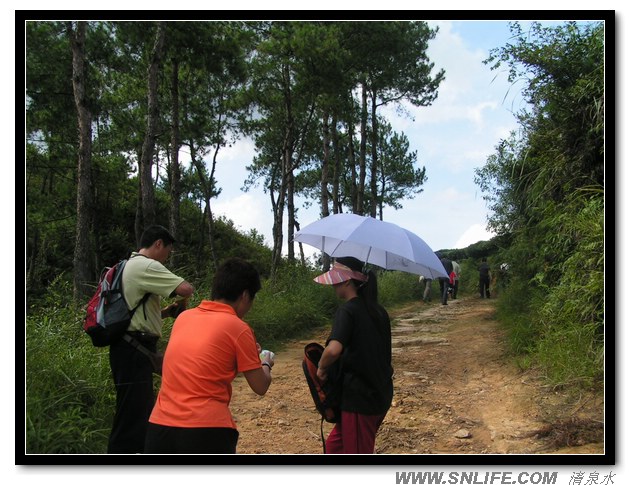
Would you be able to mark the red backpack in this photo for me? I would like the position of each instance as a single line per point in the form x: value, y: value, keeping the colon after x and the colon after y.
x: 326, y: 395
x: 108, y: 316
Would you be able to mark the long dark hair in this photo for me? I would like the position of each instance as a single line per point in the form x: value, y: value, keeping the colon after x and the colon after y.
x: 368, y: 292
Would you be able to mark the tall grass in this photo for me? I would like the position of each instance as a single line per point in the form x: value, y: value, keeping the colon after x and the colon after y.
x: 395, y: 288
x: 69, y: 398
x: 516, y: 309
x: 557, y: 324
x: 572, y: 318
x: 290, y: 306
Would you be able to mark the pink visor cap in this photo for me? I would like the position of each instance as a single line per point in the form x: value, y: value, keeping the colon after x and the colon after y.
x: 338, y: 274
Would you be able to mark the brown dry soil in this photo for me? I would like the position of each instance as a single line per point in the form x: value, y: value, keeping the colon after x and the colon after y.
x: 456, y: 391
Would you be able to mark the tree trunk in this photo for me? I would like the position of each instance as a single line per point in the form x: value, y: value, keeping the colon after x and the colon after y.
x: 336, y: 168
x: 353, y: 167
x: 324, y: 181
x: 199, y: 267
x: 146, y: 186
x: 31, y: 259
x: 174, y: 170
x: 362, y: 151
x: 290, y: 215
x: 325, y: 163
x: 208, y: 193
x: 287, y: 173
x: 301, y: 135
x: 374, y: 164
x: 137, y: 223
x: 302, y: 258
x: 82, y: 248
x: 278, y: 215
x: 213, y: 250
x: 286, y: 165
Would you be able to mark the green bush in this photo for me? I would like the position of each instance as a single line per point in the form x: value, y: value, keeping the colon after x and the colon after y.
x: 557, y: 323
x: 69, y: 394
x: 290, y: 306
x: 469, y: 280
x: 516, y: 307
x: 395, y: 287
x: 572, y: 318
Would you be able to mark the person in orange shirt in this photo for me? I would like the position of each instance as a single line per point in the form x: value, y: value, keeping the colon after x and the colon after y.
x: 208, y: 347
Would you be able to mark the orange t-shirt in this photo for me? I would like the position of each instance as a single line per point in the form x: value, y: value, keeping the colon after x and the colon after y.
x: 208, y: 347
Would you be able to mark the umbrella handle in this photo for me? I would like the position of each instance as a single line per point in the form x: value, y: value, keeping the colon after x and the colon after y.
x: 367, y: 258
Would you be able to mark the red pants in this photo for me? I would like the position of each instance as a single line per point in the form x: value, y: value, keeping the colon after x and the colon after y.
x: 355, y: 433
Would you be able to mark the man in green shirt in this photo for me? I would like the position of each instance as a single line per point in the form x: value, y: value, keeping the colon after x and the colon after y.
x: 132, y: 370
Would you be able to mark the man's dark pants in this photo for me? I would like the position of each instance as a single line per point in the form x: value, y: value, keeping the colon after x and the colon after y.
x: 133, y: 378
x: 444, y: 283
x: 484, y: 286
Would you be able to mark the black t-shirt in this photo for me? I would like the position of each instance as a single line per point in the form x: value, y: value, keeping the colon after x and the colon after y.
x: 448, y: 265
x: 484, y: 270
x: 366, y: 361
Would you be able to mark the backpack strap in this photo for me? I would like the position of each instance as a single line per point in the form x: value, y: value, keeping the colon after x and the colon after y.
x: 143, y: 303
x: 154, y: 357
x: 135, y: 343
x: 321, y: 428
x: 144, y: 298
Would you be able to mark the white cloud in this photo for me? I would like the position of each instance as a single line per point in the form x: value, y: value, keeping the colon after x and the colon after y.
x: 472, y: 235
x: 241, y: 150
x: 449, y: 195
x: 247, y: 212
x: 474, y: 113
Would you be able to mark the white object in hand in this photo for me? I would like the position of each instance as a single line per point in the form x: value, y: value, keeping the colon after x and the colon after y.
x: 264, y: 353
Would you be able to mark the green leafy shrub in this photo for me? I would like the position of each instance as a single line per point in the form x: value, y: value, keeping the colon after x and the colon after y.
x: 554, y: 306
x: 395, y: 287
x: 469, y: 280
x: 572, y: 318
x: 69, y: 396
x: 290, y: 306
x: 516, y: 309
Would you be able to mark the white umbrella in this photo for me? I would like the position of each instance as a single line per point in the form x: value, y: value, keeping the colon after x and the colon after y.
x: 372, y: 241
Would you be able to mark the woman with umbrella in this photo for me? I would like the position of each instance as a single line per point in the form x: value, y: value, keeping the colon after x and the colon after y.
x: 360, y: 347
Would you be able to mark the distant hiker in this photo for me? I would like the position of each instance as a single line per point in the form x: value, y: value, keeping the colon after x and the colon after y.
x: 445, y: 281
x: 361, y: 344
x: 133, y: 370
x: 484, y: 279
x: 426, y: 285
x: 457, y: 272
x: 209, y: 346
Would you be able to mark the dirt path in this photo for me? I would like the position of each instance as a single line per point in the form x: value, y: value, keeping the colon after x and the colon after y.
x: 455, y: 392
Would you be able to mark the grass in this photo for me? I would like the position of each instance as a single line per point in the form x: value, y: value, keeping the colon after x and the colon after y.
x: 67, y: 381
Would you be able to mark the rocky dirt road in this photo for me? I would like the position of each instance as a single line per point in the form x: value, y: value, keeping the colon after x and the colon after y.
x: 455, y: 392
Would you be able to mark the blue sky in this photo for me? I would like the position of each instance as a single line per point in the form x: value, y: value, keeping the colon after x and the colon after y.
x: 452, y: 137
